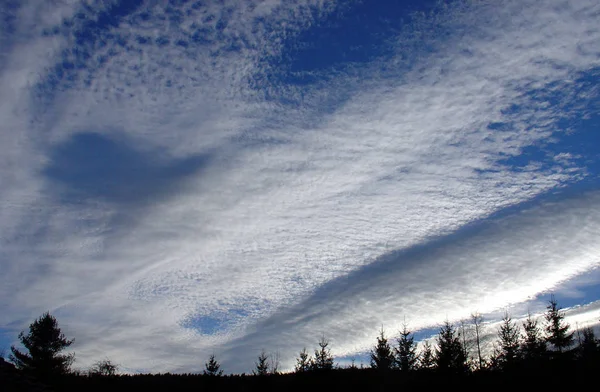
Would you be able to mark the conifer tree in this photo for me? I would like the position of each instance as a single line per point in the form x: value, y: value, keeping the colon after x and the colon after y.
x: 406, y: 353
x: 303, y: 362
x: 588, y: 349
x: 450, y: 355
x: 533, y: 347
x: 212, y: 367
x: 426, y: 358
x: 507, y: 355
x: 44, y: 341
x: 557, y: 329
x: 323, y: 360
x: 382, y: 357
x: 262, y: 365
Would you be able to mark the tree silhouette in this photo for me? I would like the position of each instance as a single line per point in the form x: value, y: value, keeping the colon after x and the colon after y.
x: 212, y: 367
x: 303, y: 362
x: 507, y: 355
x: 466, y: 335
x: 382, y: 357
x: 352, y: 365
x: 533, y: 348
x: 557, y: 330
x: 104, y: 367
x: 262, y: 365
x: 406, y: 353
x: 426, y: 358
x: 274, y: 363
x: 450, y: 355
x: 477, y: 320
x: 323, y: 360
x: 588, y: 349
x: 44, y: 342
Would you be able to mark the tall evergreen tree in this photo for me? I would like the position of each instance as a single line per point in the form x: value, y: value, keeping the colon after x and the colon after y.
x: 588, y: 349
x: 382, y: 357
x: 557, y: 329
x: 303, y: 362
x: 323, y: 360
x: 212, y: 367
x: 45, y: 342
x: 406, y: 352
x: 262, y: 365
x: 450, y: 354
x: 533, y: 346
x: 426, y: 357
x: 507, y: 355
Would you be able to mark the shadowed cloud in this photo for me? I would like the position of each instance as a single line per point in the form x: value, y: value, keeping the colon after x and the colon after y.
x: 93, y: 166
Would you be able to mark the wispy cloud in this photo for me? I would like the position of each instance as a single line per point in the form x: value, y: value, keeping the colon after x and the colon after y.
x: 482, y: 268
x: 278, y: 211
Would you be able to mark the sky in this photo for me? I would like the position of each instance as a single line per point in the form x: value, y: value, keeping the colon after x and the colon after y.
x: 186, y: 178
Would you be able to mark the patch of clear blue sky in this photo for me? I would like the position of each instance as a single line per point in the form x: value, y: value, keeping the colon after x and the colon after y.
x: 344, y: 42
x: 215, y: 323
x: 358, y: 33
x: 576, y: 134
x: 226, y: 318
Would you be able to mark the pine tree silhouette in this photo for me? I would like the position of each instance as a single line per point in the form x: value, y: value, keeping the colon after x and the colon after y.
x: 323, y: 360
x: 406, y: 352
x: 533, y: 347
x: 44, y: 341
x: 382, y: 357
x: 426, y: 357
x: 557, y: 330
x: 588, y: 349
x: 262, y: 365
x: 507, y: 355
x: 212, y: 367
x: 303, y: 362
x: 450, y: 354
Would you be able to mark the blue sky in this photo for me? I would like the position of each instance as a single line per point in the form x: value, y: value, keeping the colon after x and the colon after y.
x: 182, y: 178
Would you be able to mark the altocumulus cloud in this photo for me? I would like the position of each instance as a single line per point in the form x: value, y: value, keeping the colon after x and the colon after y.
x: 181, y: 178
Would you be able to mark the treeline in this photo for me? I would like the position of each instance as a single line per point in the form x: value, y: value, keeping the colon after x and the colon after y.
x: 534, y: 344
x: 536, y: 351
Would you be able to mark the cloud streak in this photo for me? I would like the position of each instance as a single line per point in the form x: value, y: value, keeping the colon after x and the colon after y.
x: 482, y: 268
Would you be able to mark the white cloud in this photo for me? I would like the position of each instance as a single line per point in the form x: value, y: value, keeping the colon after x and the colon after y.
x: 408, y: 158
x: 483, y: 268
